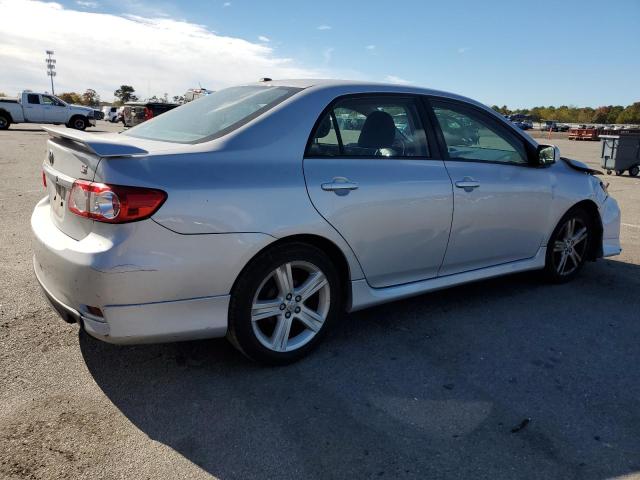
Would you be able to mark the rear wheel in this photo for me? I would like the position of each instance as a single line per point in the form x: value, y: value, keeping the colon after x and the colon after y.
x: 4, y: 122
x: 283, y: 303
x: 569, y: 246
x: 619, y: 172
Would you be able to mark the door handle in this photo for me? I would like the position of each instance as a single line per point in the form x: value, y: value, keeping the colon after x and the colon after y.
x: 339, y: 185
x: 468, y: 184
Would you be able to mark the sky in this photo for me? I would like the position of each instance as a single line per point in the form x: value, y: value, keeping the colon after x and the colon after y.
x: 522, y: 54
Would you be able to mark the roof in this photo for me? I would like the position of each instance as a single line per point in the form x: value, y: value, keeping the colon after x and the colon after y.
x: 364, y: 87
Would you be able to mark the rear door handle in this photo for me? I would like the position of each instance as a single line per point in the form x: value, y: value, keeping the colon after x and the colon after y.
x: 339, y: 185
x: 468, y: 184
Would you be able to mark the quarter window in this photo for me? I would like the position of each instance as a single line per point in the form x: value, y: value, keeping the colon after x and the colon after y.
x: 370, y: 127
x: 470, y: 136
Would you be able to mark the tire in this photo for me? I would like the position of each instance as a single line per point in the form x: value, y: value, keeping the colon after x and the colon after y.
x: 5, y: 122
x: 619, y: 172
x: 288, y: 325
x: 633, y: 171
x: 78, y: 123
x: 571, y: 242
x: 608, y: 172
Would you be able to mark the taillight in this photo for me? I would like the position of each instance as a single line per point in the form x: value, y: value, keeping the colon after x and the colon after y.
x: 114, y: 203
x: 44, y: 179
x: 148, y: 113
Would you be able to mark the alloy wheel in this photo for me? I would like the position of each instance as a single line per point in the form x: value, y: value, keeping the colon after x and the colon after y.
x: 290, y: 306
x: 570, y: 247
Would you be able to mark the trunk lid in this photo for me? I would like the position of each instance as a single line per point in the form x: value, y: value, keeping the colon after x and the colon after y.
x: 74, y: 155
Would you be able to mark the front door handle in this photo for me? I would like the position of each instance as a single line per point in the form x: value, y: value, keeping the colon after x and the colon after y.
x: 468, y: 184
x: 339, y: 185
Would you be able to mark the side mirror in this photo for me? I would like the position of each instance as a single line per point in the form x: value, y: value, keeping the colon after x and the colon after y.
x: 548, y: 154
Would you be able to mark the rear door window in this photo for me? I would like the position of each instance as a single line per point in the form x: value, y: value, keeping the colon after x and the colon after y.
x: 375, y: 126
x: 33, y: 99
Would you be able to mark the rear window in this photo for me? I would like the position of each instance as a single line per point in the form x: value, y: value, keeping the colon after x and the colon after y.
x: 212, y: 116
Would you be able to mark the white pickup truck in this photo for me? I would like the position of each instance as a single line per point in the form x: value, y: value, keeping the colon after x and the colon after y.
x: 34, y: 107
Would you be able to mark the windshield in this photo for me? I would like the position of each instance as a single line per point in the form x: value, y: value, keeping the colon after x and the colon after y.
x: 212, y: 116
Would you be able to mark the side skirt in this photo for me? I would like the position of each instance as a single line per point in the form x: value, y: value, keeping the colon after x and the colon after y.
x: 364, y: 296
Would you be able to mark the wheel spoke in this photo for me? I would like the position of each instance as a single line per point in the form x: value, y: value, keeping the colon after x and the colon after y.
x: 315, y: 282
x: 558, y: 246
x: 563, y: 263
x: 265, y: 309
x: 312, y: 320
x: 284, y: 279
x: 575, y: 257
x: 570, y: 227
x: 280, y: 336
x: 580, y: 236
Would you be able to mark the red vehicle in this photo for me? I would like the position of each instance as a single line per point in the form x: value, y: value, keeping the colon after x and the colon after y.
x: 138, y: 112
x: 584, y: 134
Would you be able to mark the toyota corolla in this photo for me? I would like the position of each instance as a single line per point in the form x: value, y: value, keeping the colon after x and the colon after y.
x: 263, y: 211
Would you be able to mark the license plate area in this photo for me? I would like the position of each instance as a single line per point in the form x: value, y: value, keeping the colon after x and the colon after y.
x: 58, y: 197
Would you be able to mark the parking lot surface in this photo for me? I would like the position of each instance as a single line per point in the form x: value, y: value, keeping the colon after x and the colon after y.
x: 508, y: 378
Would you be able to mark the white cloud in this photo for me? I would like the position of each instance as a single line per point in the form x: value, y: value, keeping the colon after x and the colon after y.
x: 226, y: 4
x: 324, y: 27
x: 155, y: 55
x: 87, y: 4
x: 370, y: 47
x: 262, y: 38
x: 395, y: 79
x: 463, y: 49
x: 327, y: 55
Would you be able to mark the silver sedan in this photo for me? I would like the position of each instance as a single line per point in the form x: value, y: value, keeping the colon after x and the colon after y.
x: 262, y: 212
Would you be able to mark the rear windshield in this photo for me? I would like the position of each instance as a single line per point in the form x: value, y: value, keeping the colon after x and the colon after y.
x: 213, y: 115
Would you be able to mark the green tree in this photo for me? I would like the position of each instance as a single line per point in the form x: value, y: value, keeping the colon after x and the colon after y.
x: 91, y: 98
x: 600, y: 114
x: 613, y: 113
x: 126, y: 93
x: 71, y: 97
x: 631, y: 114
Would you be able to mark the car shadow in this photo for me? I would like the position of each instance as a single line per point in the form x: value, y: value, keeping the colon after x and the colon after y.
x: 507, y: 378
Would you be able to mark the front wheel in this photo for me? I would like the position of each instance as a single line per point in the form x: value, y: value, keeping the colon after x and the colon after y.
x: 569, y: 246
x: 619, y: 172
x: 634, y: 171
x: 79, y: 123
x: 283, y: 303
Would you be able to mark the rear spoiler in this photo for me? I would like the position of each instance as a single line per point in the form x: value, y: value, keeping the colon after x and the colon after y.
x: 103, y: 147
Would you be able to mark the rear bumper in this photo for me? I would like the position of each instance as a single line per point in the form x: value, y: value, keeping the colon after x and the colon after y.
x: 151, y: 322
x: 151, y: 284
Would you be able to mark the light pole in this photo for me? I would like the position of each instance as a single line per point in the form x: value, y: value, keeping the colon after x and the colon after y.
x: 51, y: 68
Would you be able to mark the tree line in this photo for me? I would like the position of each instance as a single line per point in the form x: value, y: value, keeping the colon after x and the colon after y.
x: 603, y: 115
x: 124, y: 94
